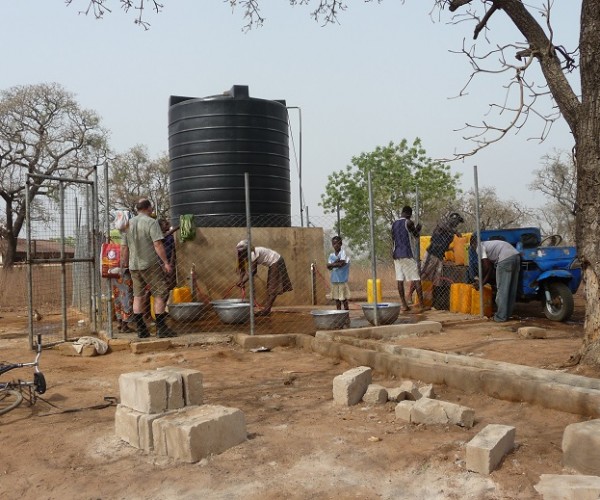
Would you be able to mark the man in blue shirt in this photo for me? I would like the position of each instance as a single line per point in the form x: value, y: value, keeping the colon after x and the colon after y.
x: 404, y: 235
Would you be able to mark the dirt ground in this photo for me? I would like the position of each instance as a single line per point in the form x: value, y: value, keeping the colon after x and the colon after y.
x: 300, y: 445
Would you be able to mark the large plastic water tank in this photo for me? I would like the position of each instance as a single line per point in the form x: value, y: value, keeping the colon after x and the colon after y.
x: 213, y: 142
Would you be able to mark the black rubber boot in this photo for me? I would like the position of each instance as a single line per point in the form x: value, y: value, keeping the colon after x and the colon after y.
x: 162, y: 330
x: 142, y: 329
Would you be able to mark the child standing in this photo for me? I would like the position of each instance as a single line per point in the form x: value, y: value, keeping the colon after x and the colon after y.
x: 339, y: 265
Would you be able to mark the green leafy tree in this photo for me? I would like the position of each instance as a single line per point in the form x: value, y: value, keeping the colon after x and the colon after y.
x: 397, y: 171
x: 43, y: 131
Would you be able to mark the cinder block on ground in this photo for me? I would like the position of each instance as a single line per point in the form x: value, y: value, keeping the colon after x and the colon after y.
x: 486, y: 449
x: 135, y: 427
x: 198, y: 431
x: 375, y: 394
x: 247, y: 342
x: 433, y: 411
x: 118, y: 344
x: 192, y: 384
x: 151, y: 391
x: 150, y: 346
x: 562, y: 487
x: 350, y: 386
x: 68, y: 349
x: 532, y: 332
x: 406, y: 390
x: 427, y: 391
x: 403, y: 410
x: 581, y: 447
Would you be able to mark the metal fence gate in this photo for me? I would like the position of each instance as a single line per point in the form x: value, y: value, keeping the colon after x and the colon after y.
x: 62, y: 240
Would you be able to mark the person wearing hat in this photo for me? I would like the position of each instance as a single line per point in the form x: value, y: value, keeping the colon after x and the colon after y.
x: 278, y: 280
x: 441, y: 237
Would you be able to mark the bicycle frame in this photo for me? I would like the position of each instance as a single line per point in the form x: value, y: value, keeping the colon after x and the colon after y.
x: 38, y: 384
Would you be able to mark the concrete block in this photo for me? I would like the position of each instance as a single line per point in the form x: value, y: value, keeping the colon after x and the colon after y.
x: 151, y: 391
x: 486, y: 449
x: 404, y: 409
x: 531, y: 332
x: 581, y: 447
x: 562, y: 487
x: 68, y: 349
x: 126, y: 425
x: 192, y: 384
x: 247, y: 342
x: 411, y: 390
x: 196, y: 432
x: 118, y: 344
x: 375, y: 394
x: 350, y: 386
x: 149, y: 346
x: 427, y: 391
x: 432, y: 412
x: 396, y: 394
x: 146, y: 438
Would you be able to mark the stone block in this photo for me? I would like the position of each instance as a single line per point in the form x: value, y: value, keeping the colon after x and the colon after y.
x: 118, y: 344
x: 432, y: 412
x: 135, y: 427
x: 532, y: 332
x: 403, y: 410
x: 563, y: 487
x: 411, y: 390
x: 350, y: 386
x: 151, y: 391
x: 196, y: 432
x: 150, y: 346
x: 427, y: 391
x: 375, y: 394
x: 192, y: 384
x: 581, y: 447
x: 486, y: 449
x: 396, y: 394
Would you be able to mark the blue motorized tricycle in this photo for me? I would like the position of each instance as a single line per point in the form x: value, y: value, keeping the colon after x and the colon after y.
x: 549, y: 273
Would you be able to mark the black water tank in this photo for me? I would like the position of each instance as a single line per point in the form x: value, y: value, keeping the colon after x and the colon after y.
x: 213, y: 141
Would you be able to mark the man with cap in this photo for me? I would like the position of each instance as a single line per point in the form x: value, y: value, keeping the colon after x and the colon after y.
x: 278, y: 280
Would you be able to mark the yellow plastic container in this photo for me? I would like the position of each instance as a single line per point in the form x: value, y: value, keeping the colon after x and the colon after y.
x: 424, y: 242
x: 460, y: 298
x: 152, y: 313
x: 488, y: 308
x: 427, y: 287
x: 458, y: 247
x: 370, y: 290
x: 181, y: 294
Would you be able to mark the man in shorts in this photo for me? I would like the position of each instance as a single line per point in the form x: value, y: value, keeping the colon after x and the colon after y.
x: 142, y: 242
x: 404, y: 235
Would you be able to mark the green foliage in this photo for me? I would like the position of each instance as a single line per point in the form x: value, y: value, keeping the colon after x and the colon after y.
x: 397, y: 170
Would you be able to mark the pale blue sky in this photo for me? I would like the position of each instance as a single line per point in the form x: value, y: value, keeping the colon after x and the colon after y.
x: 383, y: 74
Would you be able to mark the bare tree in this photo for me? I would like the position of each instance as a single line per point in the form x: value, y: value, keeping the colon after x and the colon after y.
x: 494, y: 213
x: 134, y: 175
x: 42, y: 131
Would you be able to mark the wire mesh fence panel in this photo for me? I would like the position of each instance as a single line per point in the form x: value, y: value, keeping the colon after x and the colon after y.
x: 60, y: 258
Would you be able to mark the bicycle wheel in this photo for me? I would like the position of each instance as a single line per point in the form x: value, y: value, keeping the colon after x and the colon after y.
x: 9, y: 400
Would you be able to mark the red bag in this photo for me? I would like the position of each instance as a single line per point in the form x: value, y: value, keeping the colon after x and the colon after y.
x: 110, y: 257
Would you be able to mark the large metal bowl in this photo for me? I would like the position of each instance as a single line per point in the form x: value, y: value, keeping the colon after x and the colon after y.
x: 233, y: 313
x: 387, y: 312
x: 330, y: 319
x: 225, y: 302
x: 188, y: 311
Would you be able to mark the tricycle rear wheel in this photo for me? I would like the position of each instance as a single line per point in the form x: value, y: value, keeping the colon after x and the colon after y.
x: 561, y: 305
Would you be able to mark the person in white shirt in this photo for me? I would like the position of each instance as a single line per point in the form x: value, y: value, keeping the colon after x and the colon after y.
x: 278, y: 280
x: 507, y: 261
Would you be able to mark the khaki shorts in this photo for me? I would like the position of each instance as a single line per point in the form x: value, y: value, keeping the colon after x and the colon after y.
x: 340, y: 291
x: 153, y: 276
x: 406, y: 270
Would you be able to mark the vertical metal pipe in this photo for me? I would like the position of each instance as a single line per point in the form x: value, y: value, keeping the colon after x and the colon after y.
x: 63, y: 268
x: 107, y: 229
x: 418, y: 243
x: 29, y: 263
x: 373, y: 251
x: 249, y: 249
x: 339, y: 221
x: 300, y: 194
x: 313, y: 283
x: 478, y: 229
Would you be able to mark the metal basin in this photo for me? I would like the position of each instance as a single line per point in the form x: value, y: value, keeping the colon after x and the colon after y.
x: 387, y: 312
x: 225, y: 302
x: 188, y: 311
x: 330, y: 319
x: 233, y: 313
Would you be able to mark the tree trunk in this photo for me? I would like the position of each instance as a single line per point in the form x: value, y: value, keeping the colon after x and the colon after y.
x: 587, y: 140
x: 10, y: 252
